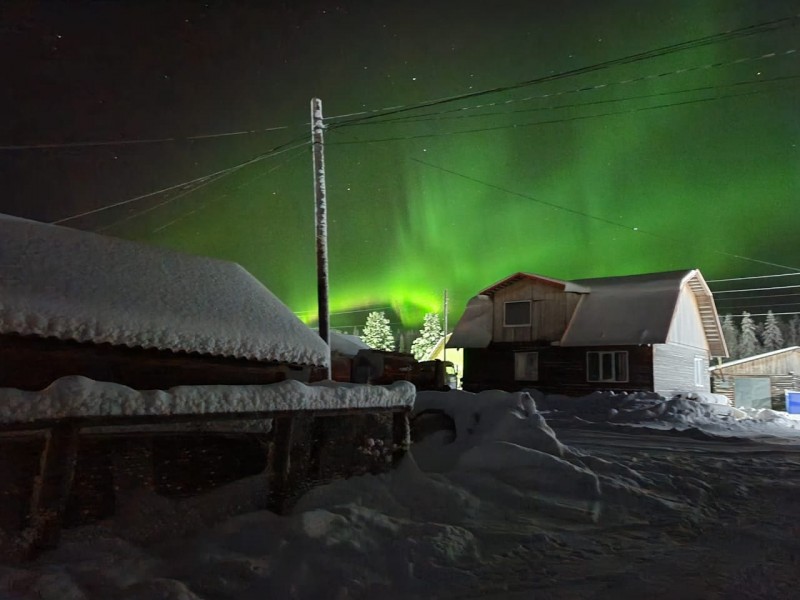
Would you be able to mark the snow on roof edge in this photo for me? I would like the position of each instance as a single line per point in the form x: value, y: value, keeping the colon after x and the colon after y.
x: 739, y: 361
x: 80, y: 397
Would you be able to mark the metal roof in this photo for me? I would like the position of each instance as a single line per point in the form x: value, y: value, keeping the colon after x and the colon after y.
x: 639, y: 309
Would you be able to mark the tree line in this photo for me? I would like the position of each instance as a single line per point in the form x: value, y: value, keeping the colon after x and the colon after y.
x: 753, y: 337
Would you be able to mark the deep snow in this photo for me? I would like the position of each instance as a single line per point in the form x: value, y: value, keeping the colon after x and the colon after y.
x: 489, y: 504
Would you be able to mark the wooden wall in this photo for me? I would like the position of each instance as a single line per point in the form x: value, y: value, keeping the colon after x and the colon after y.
x: 32, y: 363
x: 673, y: 369
x: 561, y: 370
x: 779, y: 384
x: 551, y: 307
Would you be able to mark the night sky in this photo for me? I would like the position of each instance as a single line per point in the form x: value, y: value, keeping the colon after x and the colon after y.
x: 685, y: 158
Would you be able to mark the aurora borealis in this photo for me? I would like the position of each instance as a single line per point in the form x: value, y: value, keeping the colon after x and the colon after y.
x: 677, y: 161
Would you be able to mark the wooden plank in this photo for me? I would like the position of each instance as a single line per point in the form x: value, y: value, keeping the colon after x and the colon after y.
x: 52, y: 486
x: 401, y: 435
x: 279, y: 465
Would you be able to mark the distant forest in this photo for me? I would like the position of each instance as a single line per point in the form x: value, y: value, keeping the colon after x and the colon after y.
x: 747, y: 336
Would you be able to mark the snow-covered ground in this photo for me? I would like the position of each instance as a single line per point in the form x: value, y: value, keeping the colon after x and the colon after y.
x: 488, y: 504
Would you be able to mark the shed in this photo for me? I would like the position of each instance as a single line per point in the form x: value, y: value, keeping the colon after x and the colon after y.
x: 78, y: 303
x: 648, y: 332
x: 759, y: 381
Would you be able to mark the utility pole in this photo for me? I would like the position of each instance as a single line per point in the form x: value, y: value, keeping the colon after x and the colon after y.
x: 321, y: 218
x: 444, y: 345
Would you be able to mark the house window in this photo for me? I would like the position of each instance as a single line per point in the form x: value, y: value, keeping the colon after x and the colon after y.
x: 700, y: 371
x: 517, y: 314
x: 607, y: 366
x: 526, y: 366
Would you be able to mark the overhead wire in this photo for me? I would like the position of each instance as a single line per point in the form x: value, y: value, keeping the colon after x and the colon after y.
x: 753, y: 277
x: 204, y: 180
x: 547, y: 121
x: 134, y: 141
x: 197, y: 209
x: 592, y: 217
x: 415, y: 118
x: 629, y: 59
x: 761, y: 289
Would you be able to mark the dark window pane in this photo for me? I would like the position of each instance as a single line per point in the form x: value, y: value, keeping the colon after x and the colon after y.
x: 518, y: 313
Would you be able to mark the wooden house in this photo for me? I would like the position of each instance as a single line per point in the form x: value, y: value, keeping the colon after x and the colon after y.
x: 651, y: 332
x: 77, y: 303
x: 759, y: 381
x: 87, y: 321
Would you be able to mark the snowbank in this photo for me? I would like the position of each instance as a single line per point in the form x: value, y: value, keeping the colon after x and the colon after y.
x: 486, y: 473
x: 77, y: 396
x: 709, y: 413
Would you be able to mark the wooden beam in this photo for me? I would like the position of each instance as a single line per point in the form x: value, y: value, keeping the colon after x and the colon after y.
x: 279, y: 465
x: 52, y: 486
x: 401, y: 435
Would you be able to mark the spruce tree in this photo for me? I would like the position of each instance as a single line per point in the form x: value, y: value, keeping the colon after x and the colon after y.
x: 430, y: 335
x: 773, y: 338
x: 793, y: 338
x: 377, y: 334
x: 748, y: 341
x: 731, y: 335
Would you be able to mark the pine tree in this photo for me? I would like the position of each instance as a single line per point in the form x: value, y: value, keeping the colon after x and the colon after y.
x: 793, y: 338
x: 377, y: 334
x: 773, y: 338
x: 430, y: 335
x: 748, y: 341
x: 731, y: 335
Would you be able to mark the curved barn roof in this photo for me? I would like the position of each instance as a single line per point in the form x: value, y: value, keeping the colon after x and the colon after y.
x: 74, y: 285
x: 639, y: 309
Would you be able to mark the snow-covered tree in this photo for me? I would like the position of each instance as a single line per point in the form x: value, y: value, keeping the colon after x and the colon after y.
x: 430, y: 335
x: 731, y: 334
x: 748, y: 340
x: 772, y: 337
x: 793, y: 335
x: 377, y: 334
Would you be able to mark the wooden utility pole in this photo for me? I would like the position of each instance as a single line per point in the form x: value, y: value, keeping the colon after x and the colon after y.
x: 321, y: 218
x: 444, y: 345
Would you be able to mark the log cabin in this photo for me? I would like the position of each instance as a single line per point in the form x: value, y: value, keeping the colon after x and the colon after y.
x: 651, y: 332
x: 80, y: 311
x: 78, y: 303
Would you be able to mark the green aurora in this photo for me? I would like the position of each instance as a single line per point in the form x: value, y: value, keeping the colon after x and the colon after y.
x: 641, y: 170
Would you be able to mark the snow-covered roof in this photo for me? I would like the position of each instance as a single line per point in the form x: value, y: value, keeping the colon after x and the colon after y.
x: 346, y: 344
x: 638, y: 309
x: 474, y: 328
x: 755, y: 357
x: 75, y: 285
x: 627, y: 310
x: 567, y: 286
x: 80, y: 397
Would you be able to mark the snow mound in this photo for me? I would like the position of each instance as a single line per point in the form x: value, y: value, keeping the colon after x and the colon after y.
x: 708, y: 413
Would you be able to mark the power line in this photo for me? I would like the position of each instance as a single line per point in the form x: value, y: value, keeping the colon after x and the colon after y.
x: 777, y: 287
x: 629, y: 59
x: 274, y: 152
x: 454, y: 111
x: 220, y: 197
x: 129, y: 142
x: 592, y: 217
x: 763, y: 314
x: 738, y: 298
x: 768, y: 304
x: 547, y: 122
x: 753, y: 277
